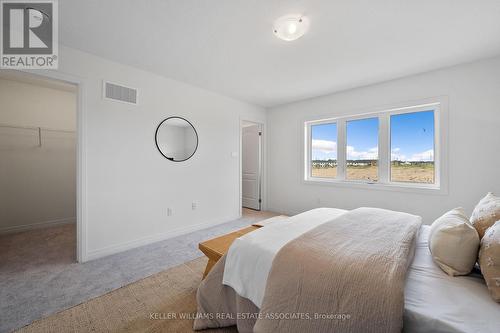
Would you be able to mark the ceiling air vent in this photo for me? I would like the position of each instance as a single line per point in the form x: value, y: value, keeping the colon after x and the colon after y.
x: 120, y: 93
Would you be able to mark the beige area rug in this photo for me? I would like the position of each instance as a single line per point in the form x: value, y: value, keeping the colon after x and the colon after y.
x: 154, y: 304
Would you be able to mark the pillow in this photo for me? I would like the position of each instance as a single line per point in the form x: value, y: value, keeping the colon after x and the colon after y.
x: 454, y: 243
x: 489, y: 260
x: 486, y: 213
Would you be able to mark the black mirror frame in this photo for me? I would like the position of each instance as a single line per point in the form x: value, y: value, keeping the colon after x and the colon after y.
x: 158, y: 147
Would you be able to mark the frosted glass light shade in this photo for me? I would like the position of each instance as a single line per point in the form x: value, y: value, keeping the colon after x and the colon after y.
x: 290, y: 27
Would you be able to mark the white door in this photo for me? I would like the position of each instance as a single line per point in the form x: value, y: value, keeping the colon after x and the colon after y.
x: 251, y: 165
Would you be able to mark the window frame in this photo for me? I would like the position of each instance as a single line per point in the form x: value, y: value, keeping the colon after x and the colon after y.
x: 309, y: 150
x: 438, y: 106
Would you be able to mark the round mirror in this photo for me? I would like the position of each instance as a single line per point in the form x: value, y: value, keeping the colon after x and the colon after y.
x: 176, y: 139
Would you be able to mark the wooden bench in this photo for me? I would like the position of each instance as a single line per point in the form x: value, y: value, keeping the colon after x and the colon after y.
x: 215, y: 248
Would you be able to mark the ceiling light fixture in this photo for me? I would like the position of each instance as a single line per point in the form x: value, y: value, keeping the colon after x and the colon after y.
x: 290, y: 27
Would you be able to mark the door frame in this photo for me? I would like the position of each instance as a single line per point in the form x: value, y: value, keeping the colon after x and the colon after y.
x: 81, y: 154
x: 262, y: 178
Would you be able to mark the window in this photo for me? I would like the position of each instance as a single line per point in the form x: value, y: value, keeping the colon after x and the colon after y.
x: 390, y: 149
x: 412, y: 147
x: 362, y: 149
x: 324, y: 150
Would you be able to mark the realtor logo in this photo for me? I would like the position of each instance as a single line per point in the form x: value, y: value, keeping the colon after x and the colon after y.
x: 29, y: 34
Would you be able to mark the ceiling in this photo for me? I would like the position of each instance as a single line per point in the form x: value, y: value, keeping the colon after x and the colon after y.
x: 228, y: 46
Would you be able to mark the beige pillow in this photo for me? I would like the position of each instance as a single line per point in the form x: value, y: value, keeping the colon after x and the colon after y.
x: 454, y: 243
x: 486, y: 212
x: 489, y: 260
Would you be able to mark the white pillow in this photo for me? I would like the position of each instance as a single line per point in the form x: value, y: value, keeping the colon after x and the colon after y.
x: 486, y: 213
x: 454, y: 243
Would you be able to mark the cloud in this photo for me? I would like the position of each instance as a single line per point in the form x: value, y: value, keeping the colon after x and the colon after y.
x: 353, y: 154
x: 329, y: 147
x: 396, y: 155
x: 324, y: 146
x: 424, y: 156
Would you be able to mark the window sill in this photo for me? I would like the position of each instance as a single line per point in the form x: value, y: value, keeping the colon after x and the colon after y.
x: 395, y: 187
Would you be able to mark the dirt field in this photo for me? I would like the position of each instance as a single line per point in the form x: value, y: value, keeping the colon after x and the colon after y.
x: 362, y: 173
x: 413, y: 173
x: 324, y: 172
x: 410, y: 173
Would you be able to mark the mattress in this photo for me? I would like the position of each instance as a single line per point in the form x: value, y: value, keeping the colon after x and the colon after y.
x: 436, y: 302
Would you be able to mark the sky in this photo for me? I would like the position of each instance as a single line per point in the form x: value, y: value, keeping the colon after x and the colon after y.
x: 362, y: 139
x: 412, y: 138
x: 324, y: 141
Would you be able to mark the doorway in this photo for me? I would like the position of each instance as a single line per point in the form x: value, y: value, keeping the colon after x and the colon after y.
x: 251, y: 165
x: 39, y: 141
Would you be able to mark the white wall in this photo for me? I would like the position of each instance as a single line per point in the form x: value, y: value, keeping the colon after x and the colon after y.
x: 473, y: 91
x: 130, y: 184
x: 37, y: 184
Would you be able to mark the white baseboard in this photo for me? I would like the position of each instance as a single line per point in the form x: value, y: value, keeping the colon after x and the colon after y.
x: 288, y: 212
x: 113, y: 249
x: 38, y: 225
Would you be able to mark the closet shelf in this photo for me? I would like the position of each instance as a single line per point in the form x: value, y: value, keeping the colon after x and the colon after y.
x: 38, y: 129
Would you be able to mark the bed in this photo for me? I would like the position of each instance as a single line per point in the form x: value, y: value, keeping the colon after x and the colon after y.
x: 436, y: 302
x: 433, y: 302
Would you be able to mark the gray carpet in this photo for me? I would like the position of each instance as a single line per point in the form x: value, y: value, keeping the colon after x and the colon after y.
x: 39, y: 275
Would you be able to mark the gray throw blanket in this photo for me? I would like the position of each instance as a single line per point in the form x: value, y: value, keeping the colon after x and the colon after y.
x: 346, y: 275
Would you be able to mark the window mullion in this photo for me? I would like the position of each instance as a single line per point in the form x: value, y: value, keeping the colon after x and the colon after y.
x: 341, y: 149
x: 384, y: 149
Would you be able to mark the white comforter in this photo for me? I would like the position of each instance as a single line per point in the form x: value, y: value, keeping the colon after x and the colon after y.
x: 434, y: 302
x: 250, y: 257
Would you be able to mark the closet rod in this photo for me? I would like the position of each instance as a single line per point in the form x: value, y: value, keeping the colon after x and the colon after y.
x: 36, y: 128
